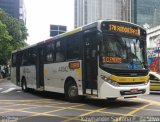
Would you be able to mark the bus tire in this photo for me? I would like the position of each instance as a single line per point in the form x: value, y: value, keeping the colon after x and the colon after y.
x: 71, y: 92
x: 24, y: 85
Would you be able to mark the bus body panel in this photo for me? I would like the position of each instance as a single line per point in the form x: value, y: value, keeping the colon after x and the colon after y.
x: 29, y: 73
x: 55, y: 75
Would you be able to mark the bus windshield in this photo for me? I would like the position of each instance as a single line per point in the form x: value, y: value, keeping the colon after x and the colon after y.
x: 118, y: 52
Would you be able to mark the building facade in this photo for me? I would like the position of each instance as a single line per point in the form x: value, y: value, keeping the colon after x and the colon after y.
x: 153, y: 37
x: 87, y: 11
x: 15, y: 8
x: 146, y: 12
x: 57, y: 29
x: 153, y: 48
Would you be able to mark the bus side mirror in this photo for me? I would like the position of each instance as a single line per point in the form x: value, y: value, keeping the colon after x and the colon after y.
x: 142, y: 42
x: 99, y: 37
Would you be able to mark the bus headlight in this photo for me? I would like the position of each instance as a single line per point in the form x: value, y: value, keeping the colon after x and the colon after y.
x: 113, y: 83
x: 146, y: 82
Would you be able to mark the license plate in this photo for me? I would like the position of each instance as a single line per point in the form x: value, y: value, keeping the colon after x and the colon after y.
x: 134, y: 90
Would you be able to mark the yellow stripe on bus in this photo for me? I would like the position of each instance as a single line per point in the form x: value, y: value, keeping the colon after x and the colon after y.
x: 121, y: 79
x: 71, y: 32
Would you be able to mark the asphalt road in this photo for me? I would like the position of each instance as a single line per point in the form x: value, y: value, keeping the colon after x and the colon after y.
x: 33, y: 106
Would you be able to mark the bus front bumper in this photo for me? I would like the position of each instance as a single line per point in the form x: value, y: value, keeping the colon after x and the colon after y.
x: 126, y: 91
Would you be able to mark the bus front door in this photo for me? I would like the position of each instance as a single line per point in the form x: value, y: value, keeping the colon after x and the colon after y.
x: 39, y: 69
x: 90, y: 63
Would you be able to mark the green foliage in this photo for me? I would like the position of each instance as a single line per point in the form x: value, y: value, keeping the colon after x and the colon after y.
x: 5, y: 48
x: 13, y: 34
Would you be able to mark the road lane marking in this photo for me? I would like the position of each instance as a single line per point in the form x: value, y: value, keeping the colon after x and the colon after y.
x: 8, y: 90
x: 62, y: 108
x: 19, y: 110
x: 132, y: 112
x: 81, y: 115
x: 54, y: 102
x: 47, y: 113
x: 5, y: 107
x: 138, y: 109
x: 25, y: 100
x: 44, y: 113
x: 149, y: 101
x: 54, y: 106
x: 152, y: 110
x: 65, y: 108
x: 58, y: 107
x: 37, y: 114
x: 37, y: 104
x: 119, y: 114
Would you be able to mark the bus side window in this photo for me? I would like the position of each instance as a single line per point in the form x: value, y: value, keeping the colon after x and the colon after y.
x: 25, y: 58
x: 49, y: 57
x: 73, y: 47
x: 32, y: 57
x: 14, y: 60
x: 60, y: 51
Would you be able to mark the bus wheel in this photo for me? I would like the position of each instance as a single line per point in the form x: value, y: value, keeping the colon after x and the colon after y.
x: 71, y: 92
x: 24, y: 85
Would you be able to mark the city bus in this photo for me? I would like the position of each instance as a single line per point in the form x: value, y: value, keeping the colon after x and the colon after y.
x: 105, y: 59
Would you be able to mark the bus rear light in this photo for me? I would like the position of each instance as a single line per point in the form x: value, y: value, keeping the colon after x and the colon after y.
x: 113, y: 83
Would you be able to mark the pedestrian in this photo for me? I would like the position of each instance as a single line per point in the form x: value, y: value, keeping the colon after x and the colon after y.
x: 6, y: 71
x: 3, y: 73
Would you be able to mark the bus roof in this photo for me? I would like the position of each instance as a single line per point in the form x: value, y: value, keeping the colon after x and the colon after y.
x: 83, y: 28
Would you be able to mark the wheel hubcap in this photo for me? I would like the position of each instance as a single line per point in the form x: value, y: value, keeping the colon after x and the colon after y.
x: 73, y: 91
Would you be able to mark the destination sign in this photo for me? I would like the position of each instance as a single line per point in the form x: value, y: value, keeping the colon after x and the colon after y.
x: 111, y: 59
x: 125, y: 28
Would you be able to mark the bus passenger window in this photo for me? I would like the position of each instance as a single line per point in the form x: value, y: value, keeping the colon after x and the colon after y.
x: 72, y: 48
x: 50, y: 53
x: 25, y: 58
x: 60, y: 51
x: 32, y: 57
x: 14, y: 60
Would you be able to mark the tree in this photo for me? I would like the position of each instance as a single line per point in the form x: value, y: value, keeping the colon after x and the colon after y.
x: 17, y: 34
x: 5, y: 48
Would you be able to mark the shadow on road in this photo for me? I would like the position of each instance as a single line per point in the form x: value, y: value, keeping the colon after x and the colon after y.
x: 101, y: 103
